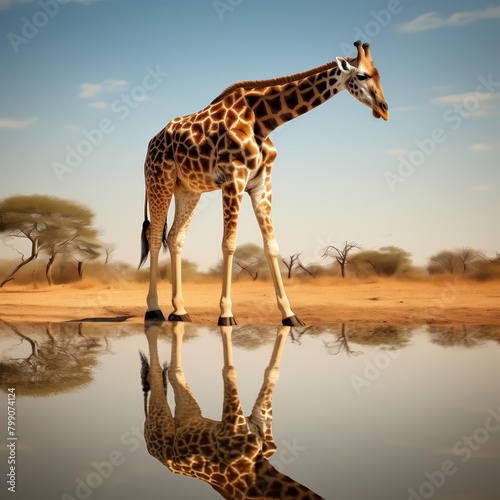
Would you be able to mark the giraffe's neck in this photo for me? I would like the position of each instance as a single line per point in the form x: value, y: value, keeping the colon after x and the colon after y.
x: 277, y: 104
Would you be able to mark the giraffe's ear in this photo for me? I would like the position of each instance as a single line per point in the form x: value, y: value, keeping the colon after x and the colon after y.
x: 344, y: 66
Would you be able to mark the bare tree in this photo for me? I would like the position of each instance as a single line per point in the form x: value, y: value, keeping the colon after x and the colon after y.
x: 251, y: 269
x: 290, y: 264
x: 308, y: 271
x: 295, y: 262
x: 341, y: 344
x: 467, y: 255
x: 108, y: 249
x: 340, y: 254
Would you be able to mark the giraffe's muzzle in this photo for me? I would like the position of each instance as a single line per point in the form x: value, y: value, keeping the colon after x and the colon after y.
x: 381, y: 110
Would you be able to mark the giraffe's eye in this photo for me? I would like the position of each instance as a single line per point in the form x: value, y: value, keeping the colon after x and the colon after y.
x: 362, y: 76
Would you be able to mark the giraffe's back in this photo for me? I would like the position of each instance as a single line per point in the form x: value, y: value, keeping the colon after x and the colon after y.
x: 209, y: 144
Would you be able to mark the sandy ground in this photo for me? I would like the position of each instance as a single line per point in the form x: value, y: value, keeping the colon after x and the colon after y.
x: 379, y: 301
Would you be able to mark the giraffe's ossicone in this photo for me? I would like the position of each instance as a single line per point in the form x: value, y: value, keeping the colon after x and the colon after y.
x: 232, y: 454
x: 227, y: 146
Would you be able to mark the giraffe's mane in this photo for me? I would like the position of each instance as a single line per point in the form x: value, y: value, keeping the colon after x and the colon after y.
x: 281, y: 80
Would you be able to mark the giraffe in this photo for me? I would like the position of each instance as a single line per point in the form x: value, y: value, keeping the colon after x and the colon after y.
x: 231, y: 454
x: 227, y: 146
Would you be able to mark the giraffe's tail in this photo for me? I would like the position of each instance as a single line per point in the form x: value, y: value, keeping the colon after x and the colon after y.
x: 144, y: 242
x: 144, y: 380
x: 146, y: 387
x: 144, y: 235
x: 144, y: 373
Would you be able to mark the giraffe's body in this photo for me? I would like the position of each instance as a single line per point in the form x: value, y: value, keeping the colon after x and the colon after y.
x: 231, y: 454
x: 227, y: 146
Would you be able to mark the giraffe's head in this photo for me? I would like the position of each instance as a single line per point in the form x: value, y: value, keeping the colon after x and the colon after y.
x: 362, y: 80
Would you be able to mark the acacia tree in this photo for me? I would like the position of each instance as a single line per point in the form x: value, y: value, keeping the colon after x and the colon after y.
x: 386, y: 261
x: 467, y: 256
x: 52, y: 225
x: 340, y: 254
x: 444, y: 261
x: 453, y: 261
x: 80, y: 245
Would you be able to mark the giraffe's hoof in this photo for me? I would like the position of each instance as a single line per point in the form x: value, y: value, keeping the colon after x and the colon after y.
x: 179, y: 317
x: 292, y: 321
x: 224, y: 321
x: 154, y: 317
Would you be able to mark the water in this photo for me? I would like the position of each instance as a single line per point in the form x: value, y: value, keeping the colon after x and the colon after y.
x: 360, y: 411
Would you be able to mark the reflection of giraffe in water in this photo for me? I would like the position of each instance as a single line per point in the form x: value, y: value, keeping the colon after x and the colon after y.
x: 231, y: 455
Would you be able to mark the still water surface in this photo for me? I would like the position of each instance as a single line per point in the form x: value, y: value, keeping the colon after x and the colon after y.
x: 360, y: 411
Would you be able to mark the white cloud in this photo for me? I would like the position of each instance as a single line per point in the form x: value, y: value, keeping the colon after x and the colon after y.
x: 99, y: 105
x: 113, y: 85
x: 13, y: 123
x: 481, y: 188
x: 454, y: 98
x: 437, y: 88
x: 434, y: 20
x: 481, y: 147
x: 403, y: 109
x: 74, y: 128
x: 398, y: 152
x: 7, y: 4
x: 88, y: 90
x: 141, y: 98
x: 428, y: 21
x: 472, y: 103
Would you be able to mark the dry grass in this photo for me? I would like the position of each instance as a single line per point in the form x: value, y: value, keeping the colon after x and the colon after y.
x: 436, y: 300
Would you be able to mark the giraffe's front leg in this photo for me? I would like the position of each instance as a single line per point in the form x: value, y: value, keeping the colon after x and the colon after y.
x: 231, y: 202
x: 261, y: 202
x: 262, y: 412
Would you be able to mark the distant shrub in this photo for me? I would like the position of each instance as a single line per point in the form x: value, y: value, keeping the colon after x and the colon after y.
x: 387, y: 261
x: 464, y: 261
x: 487, y: 270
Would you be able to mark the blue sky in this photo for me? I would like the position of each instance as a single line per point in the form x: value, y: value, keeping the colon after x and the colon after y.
x: 85, y: 85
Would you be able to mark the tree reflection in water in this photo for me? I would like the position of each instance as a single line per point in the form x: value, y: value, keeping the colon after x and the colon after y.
x: 60, y: 358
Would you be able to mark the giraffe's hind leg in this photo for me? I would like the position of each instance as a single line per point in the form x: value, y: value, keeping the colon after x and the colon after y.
x: 159, y: 192
x: 231, y: 202
x: 185, y: 205
x: 154, y: 236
